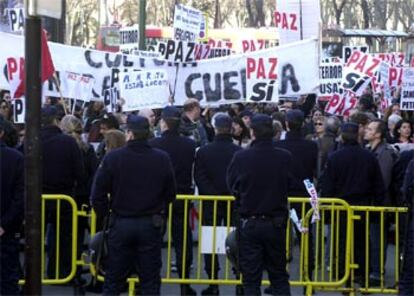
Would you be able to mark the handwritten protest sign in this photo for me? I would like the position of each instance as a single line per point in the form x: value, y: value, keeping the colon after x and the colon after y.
x: 77, y: 86
x: 16, y: 19
x: 188, y: 23
x: 348, y: 50
x: 341, y: 104
x: 143, y: 89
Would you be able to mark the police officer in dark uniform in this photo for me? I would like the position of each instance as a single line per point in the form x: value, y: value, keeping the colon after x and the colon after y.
x: 259, y: 178
x: 353, y: 174
x: 11, y: 215
x: 62, y: 169
x: 210, y: 170
x: 140, y: 181
x: 182, y: 152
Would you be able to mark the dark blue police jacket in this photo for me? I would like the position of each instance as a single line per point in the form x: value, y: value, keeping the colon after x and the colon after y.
x: 12, y: 189
x: 182, y: 152
x: 353, y: 174
x: 305, y: 160
x: 259, y: 178
x: 211, y: 165
x: 62, y: 161
x: 139, y: 179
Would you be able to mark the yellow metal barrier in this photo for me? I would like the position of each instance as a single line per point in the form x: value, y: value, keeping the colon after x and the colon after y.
x: 316, y: 264
x: 52, y: 206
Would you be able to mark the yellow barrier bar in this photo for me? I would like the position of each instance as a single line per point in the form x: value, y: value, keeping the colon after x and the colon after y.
x: 42, y: 241
x: 337, y: 246
x: 323, y: 245
x: 382, y: 249
x: 302, y: 245
x: 213, y: 257
x: 315, y: 272
x: 366, y: 271
x: 397, y: 245
x: 228, y: 222
x: 200, y: 220
x: 184, y: 250
x: 57, y: 259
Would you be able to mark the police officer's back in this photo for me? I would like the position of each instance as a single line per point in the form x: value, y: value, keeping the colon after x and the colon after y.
x: 210, y: 171
x: 140, y: 181
x: 11, y: 215
x: 182, y: 152
x: 62, y: 169
x: 259, y: 178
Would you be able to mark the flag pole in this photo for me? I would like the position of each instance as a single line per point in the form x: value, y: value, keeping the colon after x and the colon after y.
x: 55, y: 78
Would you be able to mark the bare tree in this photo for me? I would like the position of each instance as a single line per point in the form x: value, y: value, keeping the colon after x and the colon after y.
x: 338, y: 8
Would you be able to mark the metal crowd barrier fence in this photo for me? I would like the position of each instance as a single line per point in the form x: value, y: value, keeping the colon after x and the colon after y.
x: 325, y: 258
x: 59, y: 226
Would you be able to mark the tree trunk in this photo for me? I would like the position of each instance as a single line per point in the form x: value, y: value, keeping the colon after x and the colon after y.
x: 217, y: 15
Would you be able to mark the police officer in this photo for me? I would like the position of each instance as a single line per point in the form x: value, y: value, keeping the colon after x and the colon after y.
x: 210, y: 170
x: 259, y: 178
x: 353, y: 174
x: 11, y: 215
x: 62, y: 169
x: 140, y: 181
x: 182, y: 152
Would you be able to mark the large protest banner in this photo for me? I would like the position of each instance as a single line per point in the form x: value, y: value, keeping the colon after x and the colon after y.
x: 220, y: 80
x: 86, y: 62
x: 223, y: 80
x: 358, y: 71
x: 407, y: 91
x: 143, y: 89
x: 297, y: 19
x: 189, y: 23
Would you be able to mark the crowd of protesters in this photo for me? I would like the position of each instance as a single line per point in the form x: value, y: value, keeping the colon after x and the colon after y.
x: 91, y: 133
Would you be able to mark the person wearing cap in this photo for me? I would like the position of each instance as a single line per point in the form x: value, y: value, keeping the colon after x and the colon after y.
x: 259, y: 178
x: 304, y: 164
x: 62, y: 170
x: 140, y: 182
x: 353, y: 174
x: 11, y: 215
x: 210, y: 170
x: 182, y: 153
x: 191, y: 125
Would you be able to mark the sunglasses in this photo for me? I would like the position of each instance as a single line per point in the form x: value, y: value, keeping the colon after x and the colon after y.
x: 318, y: 124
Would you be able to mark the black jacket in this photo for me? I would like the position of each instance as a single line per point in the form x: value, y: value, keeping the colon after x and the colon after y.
x: 211, y: 165
x: 259, y: 178
x: 62, y: 161
x: 304, y: 163
x: 139, y: 179
x: 12, y: 189
x: 182, y: 152
x: 353, y: 174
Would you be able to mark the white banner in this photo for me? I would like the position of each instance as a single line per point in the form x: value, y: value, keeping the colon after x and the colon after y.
x: 76, y: 86
x: 188, y: 23
x: 341, y: 104
x: 407, y: 92
x: 358, y: 72
x: 223, y: 80
x: 90, y: 63
x: 395, y: 59
x: 220, y: 80
x: 297, y: 20
x: 182, y: 51
x: 143, y: 89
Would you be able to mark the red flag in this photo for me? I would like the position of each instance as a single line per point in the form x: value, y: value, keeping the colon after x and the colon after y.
x: 47, y: 66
